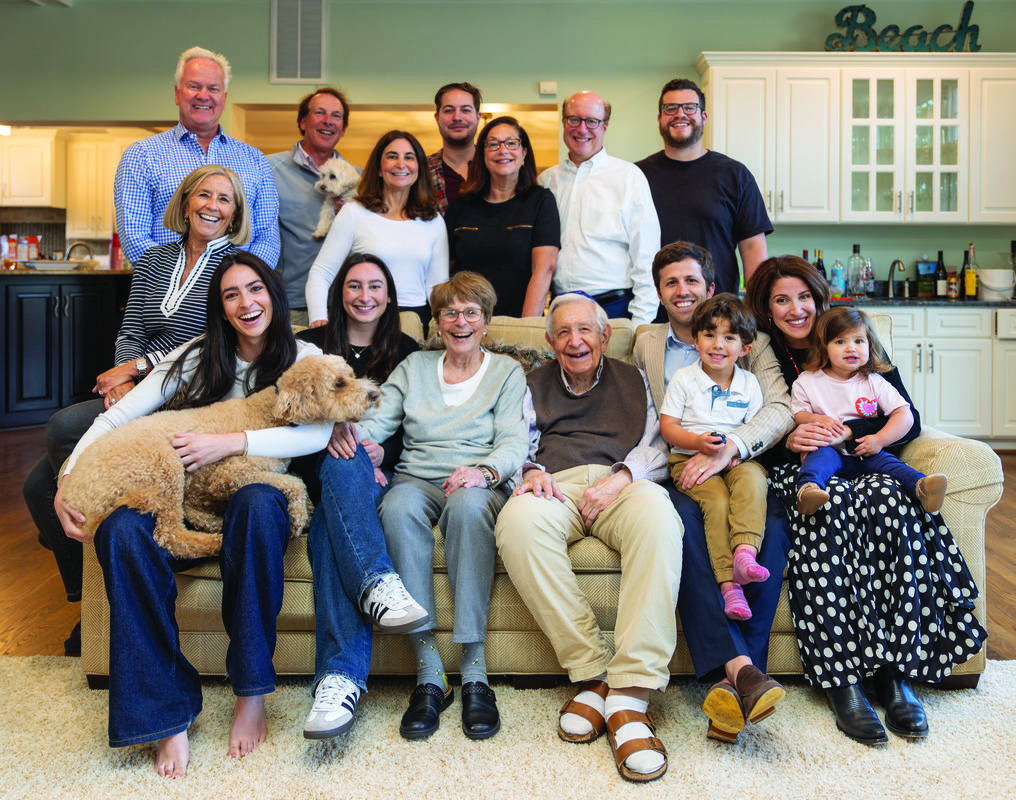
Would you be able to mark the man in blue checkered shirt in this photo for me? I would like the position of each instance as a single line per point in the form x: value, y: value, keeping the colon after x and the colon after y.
x: 151, y: 169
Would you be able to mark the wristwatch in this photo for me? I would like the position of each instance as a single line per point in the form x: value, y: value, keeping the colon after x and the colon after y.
x: 488, y: 473
x: 141, y: 365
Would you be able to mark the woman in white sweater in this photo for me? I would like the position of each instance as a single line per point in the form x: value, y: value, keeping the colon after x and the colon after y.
x: 461, y: 408
x: 154, y: 693
x: 395, y: 216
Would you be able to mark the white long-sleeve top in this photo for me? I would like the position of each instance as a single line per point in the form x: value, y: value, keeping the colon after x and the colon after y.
x: 415, y: 250
x: 609, y: 230
x: 150, y: 395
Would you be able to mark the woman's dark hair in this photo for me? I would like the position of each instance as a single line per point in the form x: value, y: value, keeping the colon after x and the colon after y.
x: 422, y: 201
x: 384, y: 348
x: 760, y: 287
x: 478, y: 180
x: 216, y: 350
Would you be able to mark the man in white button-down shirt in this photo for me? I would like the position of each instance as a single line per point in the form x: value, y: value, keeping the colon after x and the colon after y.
x: 609, y: 228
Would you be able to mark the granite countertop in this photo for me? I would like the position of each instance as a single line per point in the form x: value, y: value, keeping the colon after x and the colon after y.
x: 40, y: 273
x: 922, y: 301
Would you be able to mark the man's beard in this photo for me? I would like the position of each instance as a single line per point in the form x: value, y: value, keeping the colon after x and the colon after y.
x: 679, y: 144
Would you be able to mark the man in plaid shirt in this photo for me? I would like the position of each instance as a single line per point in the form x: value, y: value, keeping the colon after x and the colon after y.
x: 151, y: 169
x: 457, y: 111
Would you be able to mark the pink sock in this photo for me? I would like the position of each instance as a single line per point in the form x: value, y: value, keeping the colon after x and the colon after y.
x: 746, y: 569
x: 734, y: 604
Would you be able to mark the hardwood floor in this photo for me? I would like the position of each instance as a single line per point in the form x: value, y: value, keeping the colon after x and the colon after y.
x: 35, y: 616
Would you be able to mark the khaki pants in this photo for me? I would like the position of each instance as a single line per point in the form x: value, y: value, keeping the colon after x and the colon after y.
x: 533, y: 536
x: 733, y: 507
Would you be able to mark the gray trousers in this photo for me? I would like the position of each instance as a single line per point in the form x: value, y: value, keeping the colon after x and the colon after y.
x: 466, y: 518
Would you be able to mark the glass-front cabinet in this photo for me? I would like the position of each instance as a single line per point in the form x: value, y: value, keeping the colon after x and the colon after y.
x: 906, y: 133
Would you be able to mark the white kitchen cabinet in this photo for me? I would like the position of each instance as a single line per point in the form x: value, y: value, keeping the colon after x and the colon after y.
x: 782, y: 122
x: 1003, y: 422
x: 32, y: 169
x: 992, y: 155
x: 91, y: 166
x: 945, y: 359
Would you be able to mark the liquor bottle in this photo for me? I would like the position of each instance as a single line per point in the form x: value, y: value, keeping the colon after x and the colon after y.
x: 970, y: 282
x: 855, y: 273
x: 963, y: 275
x: 820, y: 264
x: 838, y: 279
x: 804, y: 255
x: 941, y: 279
x: 869, y: 279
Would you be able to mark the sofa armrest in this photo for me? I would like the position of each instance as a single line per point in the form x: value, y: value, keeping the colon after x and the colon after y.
x: 971, y: 466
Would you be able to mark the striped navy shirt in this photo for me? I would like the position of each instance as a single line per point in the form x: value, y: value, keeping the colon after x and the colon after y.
x: 161, y: 314
x: 151, y: 170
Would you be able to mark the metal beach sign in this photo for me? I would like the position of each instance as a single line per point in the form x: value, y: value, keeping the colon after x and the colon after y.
x: 860, y: 34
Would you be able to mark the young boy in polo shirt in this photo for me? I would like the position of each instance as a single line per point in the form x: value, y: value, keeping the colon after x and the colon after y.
x: 703, y: 403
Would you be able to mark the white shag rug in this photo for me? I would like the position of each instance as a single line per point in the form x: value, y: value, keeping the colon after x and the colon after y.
x: 53, y: 745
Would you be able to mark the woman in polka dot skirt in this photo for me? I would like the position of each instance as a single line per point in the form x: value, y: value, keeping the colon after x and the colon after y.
x: 878, y: 587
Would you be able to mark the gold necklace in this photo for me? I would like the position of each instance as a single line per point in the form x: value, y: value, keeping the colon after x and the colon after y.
x: 358, y: 353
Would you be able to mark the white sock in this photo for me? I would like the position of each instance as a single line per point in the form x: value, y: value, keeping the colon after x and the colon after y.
x: 643, y: 761
x: 580, y: 726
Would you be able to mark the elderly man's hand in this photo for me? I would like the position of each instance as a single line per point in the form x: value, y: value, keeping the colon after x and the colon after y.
x: 541, y: 484
x: 601, y: 494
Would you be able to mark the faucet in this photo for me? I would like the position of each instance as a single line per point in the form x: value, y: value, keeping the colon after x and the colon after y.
x: 72, y: 245
x: 896, y: 265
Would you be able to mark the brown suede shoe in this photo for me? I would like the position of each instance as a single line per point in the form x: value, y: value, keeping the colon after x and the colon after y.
x: 930, y: 492
x: 759, y: 693
x: 723, y: 707
x: 810, y: 498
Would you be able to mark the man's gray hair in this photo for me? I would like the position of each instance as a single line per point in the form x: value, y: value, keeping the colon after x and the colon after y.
x: 571, y: 297
x: 200, y: 52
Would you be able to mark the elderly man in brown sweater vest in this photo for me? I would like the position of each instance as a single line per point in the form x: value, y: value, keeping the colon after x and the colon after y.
x: 595, y: 454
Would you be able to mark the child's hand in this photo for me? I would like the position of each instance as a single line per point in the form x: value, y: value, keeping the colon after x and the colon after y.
x: 709, y: 443
x: 379, y: 477
x: 868, y: 445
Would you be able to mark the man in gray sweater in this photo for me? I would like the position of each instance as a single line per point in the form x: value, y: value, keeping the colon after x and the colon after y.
x: 595, y: 456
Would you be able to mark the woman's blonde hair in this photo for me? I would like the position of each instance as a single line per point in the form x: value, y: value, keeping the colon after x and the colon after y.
x: 834, y: 323
x: 467, y: 287
x: 175, y: 218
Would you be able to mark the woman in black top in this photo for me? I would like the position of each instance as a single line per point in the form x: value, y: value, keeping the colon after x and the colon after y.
x: 503, y: 225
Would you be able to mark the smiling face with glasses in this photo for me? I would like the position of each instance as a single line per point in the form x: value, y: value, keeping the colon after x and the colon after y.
x: 681, y: 121
x: 585, y: 119
x: 461, y: 326
x: 503, y: 152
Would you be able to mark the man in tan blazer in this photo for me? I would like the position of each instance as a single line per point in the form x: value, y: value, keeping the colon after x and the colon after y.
x: 720, y: 648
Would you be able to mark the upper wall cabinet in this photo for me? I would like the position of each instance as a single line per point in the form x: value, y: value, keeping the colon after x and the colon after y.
x: 857, y: 137
x: 32, y: 169
x: 91, y: 167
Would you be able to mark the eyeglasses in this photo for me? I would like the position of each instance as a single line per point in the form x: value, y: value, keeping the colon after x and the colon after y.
x: 452, y: 314
x: 592, y: 123
x: 670, y: 109
x: 511, y: 145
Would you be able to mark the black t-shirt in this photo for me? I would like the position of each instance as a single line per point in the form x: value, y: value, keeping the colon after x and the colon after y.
x: 712, y: 201
x: 497, y: 240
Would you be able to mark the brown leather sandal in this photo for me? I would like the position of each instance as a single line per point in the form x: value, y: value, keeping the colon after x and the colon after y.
x: 587, y: 712
x: 614, y: 723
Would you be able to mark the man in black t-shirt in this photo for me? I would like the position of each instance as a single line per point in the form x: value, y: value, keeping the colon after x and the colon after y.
x: 702, y: 196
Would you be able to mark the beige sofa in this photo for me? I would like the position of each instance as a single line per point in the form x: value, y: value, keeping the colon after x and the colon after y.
x: 516, y: 646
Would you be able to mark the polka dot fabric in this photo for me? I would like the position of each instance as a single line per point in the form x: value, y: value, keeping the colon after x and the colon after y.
x: 873, y: 580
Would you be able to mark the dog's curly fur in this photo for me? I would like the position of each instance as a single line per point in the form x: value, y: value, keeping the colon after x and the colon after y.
x: 338, y: 180
x: 135, y: 465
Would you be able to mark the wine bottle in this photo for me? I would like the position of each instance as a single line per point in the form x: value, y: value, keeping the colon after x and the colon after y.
x: 963, y: 275
x: 970, y: 282
x: 855, y: 273
x: 941, y: 279
x: 820, y: 264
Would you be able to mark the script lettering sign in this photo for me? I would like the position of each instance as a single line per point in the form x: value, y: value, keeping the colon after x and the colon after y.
x: 861, y: 34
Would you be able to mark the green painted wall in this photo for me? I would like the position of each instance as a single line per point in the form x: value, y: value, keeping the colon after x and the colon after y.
x: 113, y: 60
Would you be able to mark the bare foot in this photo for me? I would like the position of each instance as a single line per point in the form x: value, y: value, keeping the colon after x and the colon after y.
x: 249, y: 729
x: 172, y: 756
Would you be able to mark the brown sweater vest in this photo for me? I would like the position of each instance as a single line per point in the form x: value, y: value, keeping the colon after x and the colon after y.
x: 599, y: 427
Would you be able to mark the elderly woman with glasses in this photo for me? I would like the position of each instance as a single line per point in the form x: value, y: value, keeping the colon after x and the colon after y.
x: 503, y: 225
x: 461, y: 409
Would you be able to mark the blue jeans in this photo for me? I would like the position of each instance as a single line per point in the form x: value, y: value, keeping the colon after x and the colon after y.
x: 408, y: 514
x: 347, y: 555
x: 820, y: 465
x: 154, y: 692
x: 714, y: 639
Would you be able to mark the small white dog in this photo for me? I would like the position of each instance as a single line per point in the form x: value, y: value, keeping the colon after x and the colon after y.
x: 338, y: 180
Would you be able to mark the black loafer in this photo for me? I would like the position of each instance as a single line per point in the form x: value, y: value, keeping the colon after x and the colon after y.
x: 480, y: 719
x: 424, y: 713
x: 904, y: 714
x: 854, y: 715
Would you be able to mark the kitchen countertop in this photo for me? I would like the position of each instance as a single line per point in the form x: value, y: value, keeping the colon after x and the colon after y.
x: 922, y: 301
x: 41, y: 273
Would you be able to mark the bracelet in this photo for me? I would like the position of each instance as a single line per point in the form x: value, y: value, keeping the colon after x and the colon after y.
x: 489, y: 474
x: 244, y: 443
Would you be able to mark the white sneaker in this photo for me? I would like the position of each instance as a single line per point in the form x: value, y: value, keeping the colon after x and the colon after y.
x: 334, y: 709
x: 391, y: 606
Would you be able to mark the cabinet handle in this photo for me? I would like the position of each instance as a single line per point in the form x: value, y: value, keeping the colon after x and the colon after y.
x: 781, y: 201
x: 769, y: 200
x: 56, y: 307
x: 931, y: 358
x: 918, y: 358
x: 897, y: 202
x: 67, y: 306
x: 910, y: 202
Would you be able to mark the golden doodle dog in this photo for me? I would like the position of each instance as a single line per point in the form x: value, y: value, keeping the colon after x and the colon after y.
x: 135, y: 465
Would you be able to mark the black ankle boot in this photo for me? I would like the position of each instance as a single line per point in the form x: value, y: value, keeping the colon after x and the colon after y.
x: 904, y: 714
x: 854, y: 715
